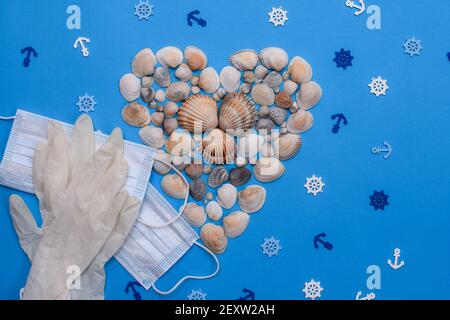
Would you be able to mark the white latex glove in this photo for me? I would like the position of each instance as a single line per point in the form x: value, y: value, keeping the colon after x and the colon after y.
x: 81, y: 204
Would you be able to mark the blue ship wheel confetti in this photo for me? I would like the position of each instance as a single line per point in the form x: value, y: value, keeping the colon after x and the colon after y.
x: 343, y: 59
x: 28, y: 51
x: 197, y: 295
x: 379, y: 200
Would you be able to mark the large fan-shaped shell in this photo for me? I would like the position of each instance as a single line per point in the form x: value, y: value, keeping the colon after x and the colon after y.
x: 287, y: 145
x: 252, y: 198
x: 196, y: 59
x: 136, y: 115
x: 198, y: 114
x: 174, y: 186
x: 209, y: 80
x: 274, y: 58
x: 309, y: 95
x: 237, y: 112
x: 245, y: 59
x: 300, y: 121
x: 227, y: 195
x: 178, y: 91
x: 230, y: 78
x: 218, y: 147
x: 169, y: 57
x: 194, y: 214
x: 214, y: 238
x: 268, y: 169
x: 214, y: 211
x: 235, y: 223
x: 130, y: 87
x: 152, y: 136
x: 217, y: 177
x: 299, y: 70
x: 144, y: 63
x: 262, y: 94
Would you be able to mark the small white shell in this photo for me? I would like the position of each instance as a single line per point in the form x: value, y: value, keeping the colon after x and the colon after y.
x: 227, y: 195
x: 261, y: 72
x: 130, y: 87
x: 162, y: 77
x: 170, y: 109
x: 230, y: 78
x: 169, y: 57
x: 300, y: 121
x: 309, y: 95
x: 214, y: 211
x: 214, y: 238
x: 209, y: 80
x: 268, y: 169
x: 178, y: 91
x: 274, y: 58
x: 235, y: 223
x: 136, y: 115
x: 152, y: 136
x: 300, y: 70
x: 263, y: 95
x: 143, y: 63
x: 183, y: 72
x: 161, y: 159
x: 194, y: 214
x: 245, y: 59
x: 196, y: 59
x: 290, y: 87
x: 174, y: 186
x: 252, y: 198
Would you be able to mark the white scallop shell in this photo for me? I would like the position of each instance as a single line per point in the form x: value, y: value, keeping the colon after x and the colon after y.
x: 268, y: 169
x: 169, y: 57
x: 174, y: 186
x: 194, y: 214
x: 177, y: 91
x: 130, y: 87
x: 262, y: 94
x: 209, y: 80
x: 300, y: 121
x: 235, y: 223
x: 245, y: 59
x: 309, y: 95
x: 252, y: 198
x: 143, y: 63
x: 196, y: 59
x: 198, y: 113
x: 214, y: 238
x: 274, y: 58
x: 214, y: 211
x: 230, y: 78
x: 227, y: 195
x: 152, y: 136
x: 299, y: 70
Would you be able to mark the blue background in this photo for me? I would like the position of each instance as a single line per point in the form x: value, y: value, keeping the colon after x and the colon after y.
x: 413, y: 117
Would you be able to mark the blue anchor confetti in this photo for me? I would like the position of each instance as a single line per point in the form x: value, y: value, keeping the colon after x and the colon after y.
x: 131, y: 287
x: 343, y: 59
x: 250, y: 295
x: 340, y: 117
x: 192, y: 16
x: 29, y: 52
x: 448, y: 56
x: 379, y: 200
x: 318, y: 239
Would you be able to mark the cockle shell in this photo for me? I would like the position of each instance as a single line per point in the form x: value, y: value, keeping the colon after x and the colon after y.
x: 227, y: 196
x: 252, y: 198
x: 245, y: 59
x: 157, y: 118
x: 209, y: 80
x: 230, y: 78
x: 273, y: 79
x: 263, y: 111
x: 170, y: 109
x: 214, y: 238
x: 268, y: 169
x: 170, y: 125
x: 300, y: 121
x: 144, y: 63
x: 198, y: 114
x: 196, y: 59
x: 265, y: 124
x: 178, y: 91
x: 283, y: 100
x: 240, y: 176
x: 274, y: 58
x: 136, y: 115
x: 287, y: 145
x: 180, y: 143
x: 214, y: 211
x: 237, y: 112
x: 161, y: 159
x: 249, y: 77
x: 194, y: 170
x: 147, y: 94
x: 197, y: 189
x: 261, y: 72
x: 278, y: 115
x: 146, y: 82
x: 290, y: 87
x: 235, y: 223
x: 152, y: 136
x: 174, y: 186
x: 130, y: 87
x: 162, y: 77
x: 194, y: 214
x: 217, y: 177
x: 218, y: 147
x: 183, y: 72
x: 262, y: 94
x: 169, y: 57
x: 300, y: 70
x: 309, y: 95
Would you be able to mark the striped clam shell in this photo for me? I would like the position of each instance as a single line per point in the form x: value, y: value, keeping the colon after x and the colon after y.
x: 287, y: 145
x: 240, y: 176
x: 217, y: 177
x: 218, y: 147
x: 252, y: 198
x: 198, y: 113
x: 197, y: 189
x: 237, y: 112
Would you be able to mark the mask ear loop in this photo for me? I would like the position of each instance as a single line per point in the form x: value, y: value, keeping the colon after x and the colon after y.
x: 8, y: 118
x: 181, y: 209
x: 191, y: 276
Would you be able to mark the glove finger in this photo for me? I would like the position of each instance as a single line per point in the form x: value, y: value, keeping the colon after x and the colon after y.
x: 57, y: 169
x: 82, y: 146
x: 114, y: 179
x: 103, y: 156
x: 39, y: 169
x: 111, y: 213
x: 25, y: 225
